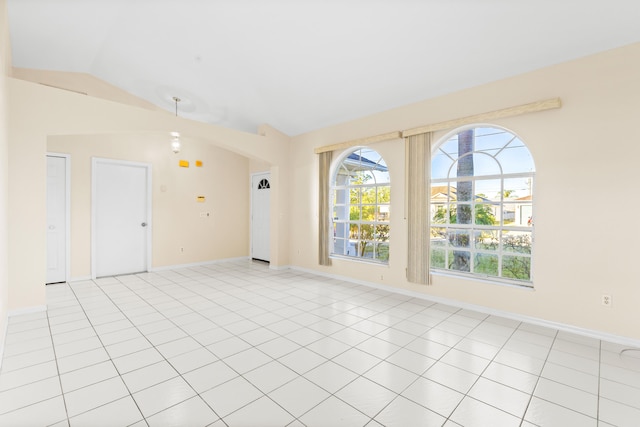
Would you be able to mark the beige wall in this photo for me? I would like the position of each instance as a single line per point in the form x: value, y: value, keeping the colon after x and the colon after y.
x: 586, y: 193
x: 81, y: 83
x: 40, y: 113
x: 5, y: 66
x: 257, y: 166
x: 223, y: 180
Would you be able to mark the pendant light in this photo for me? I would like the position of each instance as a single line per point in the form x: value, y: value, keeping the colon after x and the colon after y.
x: 175, y: 136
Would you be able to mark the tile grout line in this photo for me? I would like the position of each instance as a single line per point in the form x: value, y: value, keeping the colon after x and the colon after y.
x: 155, y: 287
x: 55, y: 357
x: 466, y: 394
x: 110, y: 360
x: 330, y: 304
x: 426, y: 370
x: 450, y: 314
x: 299, y: 375
x: 252, y: 346
x: 155, y: 348
x: 302, y: 374
x: 599, y: 382
x: 571, y: 386
x: 362, y: 375
x: 533, y: 391
x: 219, y: 359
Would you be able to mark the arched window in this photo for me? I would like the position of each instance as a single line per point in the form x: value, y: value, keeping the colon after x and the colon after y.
x: 360, y: 194
x: 482, y: 205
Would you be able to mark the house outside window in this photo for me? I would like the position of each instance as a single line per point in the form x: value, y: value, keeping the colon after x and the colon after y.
x: 360, y: 195
x: 482, y: 205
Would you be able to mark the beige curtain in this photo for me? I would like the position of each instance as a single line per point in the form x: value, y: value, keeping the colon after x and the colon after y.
x: 324, y: 216
x: 418, y: 152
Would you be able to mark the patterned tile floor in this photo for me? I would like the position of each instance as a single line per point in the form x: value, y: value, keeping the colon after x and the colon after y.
x: 237, y: 344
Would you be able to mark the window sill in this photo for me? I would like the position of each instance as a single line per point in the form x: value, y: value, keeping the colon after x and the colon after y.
x: 484, y: 279
x: 361, y: 260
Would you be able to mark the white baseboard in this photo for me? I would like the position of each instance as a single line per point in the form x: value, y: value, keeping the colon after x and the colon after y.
x: 197, y: 264
x: 173, y: 267
x: 280, y: 267
x: 4, y: 339
x: 26, y: 310
x: 12, y: 313
x: 616, y: 339
x: 79, y: 279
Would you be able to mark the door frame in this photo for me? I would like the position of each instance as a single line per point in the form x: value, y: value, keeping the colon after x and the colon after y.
x: 253, y: 175
x: 95, y: 161
x: 67, y: 209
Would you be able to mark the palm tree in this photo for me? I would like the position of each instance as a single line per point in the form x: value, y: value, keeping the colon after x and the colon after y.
x: 461, y: 259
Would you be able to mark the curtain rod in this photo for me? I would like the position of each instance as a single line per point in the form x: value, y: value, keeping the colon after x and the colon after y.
x: 360, y: 141
x: 533, y: 107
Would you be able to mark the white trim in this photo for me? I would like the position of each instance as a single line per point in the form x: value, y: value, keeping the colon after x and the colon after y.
x: 336, y: 165
x: 79, y: 279
x: 369, y: 261
x: 616, y: 339
x: 67, y: 208
x: 12, y: 313
x: 26, y: 310
x: 149, y: 243
x: 489, y: 280
x: 5, y: 328
x: 198, y: 264
x: 502, y: 202
x: 173, y: 267
x: 267, y: 174
x: 280, y: 267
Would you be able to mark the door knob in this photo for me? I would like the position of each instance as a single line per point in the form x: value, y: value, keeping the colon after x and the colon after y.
x: 144, y: 224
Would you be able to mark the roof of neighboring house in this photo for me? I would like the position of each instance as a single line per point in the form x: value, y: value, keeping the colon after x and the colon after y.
x: 441, y: 189
x: 356, y: 159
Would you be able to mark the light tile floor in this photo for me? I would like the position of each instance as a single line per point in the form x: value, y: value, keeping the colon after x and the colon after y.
x: 238, y: 344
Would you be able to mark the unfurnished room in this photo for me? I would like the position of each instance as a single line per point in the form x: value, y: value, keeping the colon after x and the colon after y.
x: 319, y: 213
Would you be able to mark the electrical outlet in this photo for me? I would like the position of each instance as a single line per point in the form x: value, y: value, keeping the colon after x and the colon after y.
x: 606, y: 300
x: 181, y: 250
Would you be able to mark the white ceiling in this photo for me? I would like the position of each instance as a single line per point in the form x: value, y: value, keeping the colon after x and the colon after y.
x: 301, y: 65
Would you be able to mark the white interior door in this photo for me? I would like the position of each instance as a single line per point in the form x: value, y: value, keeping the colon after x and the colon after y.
x: 56, y: 218
x: 260, y: 217
x: 121, y: 217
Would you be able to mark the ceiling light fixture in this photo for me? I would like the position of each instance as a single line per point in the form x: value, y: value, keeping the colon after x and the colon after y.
x: 175, y: 142
x: 175, y: 136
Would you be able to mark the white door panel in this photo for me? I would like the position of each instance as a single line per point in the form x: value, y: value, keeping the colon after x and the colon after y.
x: 56, y: 219
x: 121, y: 217
x: 260, y: 216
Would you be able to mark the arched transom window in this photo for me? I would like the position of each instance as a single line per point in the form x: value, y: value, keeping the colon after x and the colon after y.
x: 482, y: 205
x: 360, y: 194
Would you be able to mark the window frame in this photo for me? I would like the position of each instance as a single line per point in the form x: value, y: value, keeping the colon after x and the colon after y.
x: 470, y: 230
x: 347, y: 223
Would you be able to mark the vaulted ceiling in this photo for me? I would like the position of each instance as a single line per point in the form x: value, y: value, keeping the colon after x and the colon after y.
x: 301, y: 65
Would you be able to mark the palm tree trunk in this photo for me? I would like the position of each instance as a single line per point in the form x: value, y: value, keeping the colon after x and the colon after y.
x: 461, y: 259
